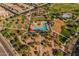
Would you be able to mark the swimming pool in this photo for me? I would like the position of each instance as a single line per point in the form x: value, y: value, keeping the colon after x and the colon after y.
x: 42, y: 28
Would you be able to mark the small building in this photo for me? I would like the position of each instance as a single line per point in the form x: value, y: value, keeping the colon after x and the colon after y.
x: 67, y: 15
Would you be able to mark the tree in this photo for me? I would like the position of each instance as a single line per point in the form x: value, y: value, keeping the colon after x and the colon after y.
x: 59, y: 53
x: 23, y: 17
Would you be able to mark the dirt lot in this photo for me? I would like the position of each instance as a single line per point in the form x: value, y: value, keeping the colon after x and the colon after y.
x: 57, y: 25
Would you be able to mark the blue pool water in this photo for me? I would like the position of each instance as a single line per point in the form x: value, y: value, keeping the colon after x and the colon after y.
x: 43, y: 28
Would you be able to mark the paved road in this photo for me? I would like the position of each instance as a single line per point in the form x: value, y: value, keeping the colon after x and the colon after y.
x: 6, y: 46
x: 75, y: 51
x: 2, y: 51
x: 15, y: 15
x: 5, y: 7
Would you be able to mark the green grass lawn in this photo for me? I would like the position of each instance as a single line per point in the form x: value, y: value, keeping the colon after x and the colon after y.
x: 64, y: 7
x: 64, y: 32
x: 71, y: 28
x: 60, y: 7
x: 59, y: 53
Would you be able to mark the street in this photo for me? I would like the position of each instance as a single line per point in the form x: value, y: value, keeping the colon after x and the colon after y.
x: 6, y: 46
